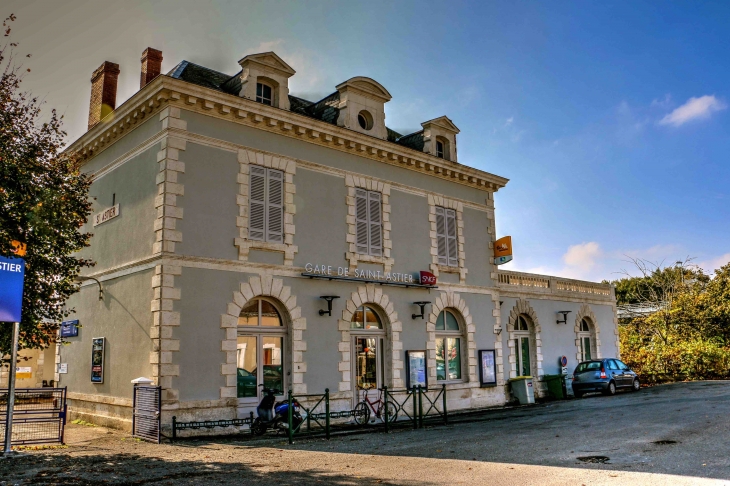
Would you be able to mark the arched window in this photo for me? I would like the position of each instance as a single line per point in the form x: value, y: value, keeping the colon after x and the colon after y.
x: 442, y: 148
x: 522, y: 346
x: 448, y: 347
x: 260, y: 349
x: 585, y: 339
x: 264, y: 94
x: 367, y: 348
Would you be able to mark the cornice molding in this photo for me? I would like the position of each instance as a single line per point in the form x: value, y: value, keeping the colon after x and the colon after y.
x: 165, y: 90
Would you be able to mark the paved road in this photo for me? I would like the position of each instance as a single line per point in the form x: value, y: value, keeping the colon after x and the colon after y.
x: 538, y: 445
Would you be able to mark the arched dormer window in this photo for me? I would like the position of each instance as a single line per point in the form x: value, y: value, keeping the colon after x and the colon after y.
x: 264, y: 94
x: 442, y: 148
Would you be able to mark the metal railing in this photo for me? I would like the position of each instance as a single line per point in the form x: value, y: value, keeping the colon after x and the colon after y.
x: 415, y: 405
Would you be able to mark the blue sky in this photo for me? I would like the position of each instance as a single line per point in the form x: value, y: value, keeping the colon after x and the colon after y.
x: 610, y: 119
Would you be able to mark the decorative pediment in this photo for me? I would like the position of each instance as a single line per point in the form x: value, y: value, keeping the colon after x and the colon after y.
x: 269, y: 60
x: 442, y: 122
x: 366, y: 86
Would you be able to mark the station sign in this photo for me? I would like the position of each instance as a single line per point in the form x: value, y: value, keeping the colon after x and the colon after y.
x: 70, y: 328
x: 413, y: 279
x: 12, y: 274
x: 106, y: 214
x: 503, y: 250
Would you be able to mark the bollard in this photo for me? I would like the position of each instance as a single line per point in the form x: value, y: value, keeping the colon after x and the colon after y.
x: 174, y: 428
x: 446, y: 415
x: 291, y: 425
x: 385, y: 406
x: 327, y: 413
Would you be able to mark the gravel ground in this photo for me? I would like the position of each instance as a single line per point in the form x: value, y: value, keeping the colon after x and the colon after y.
x: 535, y: 445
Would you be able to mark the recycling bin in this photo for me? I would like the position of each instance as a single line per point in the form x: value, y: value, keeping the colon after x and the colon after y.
x: 555, y: 386
x: 523, y: 389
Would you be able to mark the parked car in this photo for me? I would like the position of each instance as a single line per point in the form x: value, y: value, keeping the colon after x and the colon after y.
x: 603, y: 375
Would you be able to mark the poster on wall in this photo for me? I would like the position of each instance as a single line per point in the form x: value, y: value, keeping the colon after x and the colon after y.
x: 416, y: 369
x: 97, y: 360
x: 487, y: 368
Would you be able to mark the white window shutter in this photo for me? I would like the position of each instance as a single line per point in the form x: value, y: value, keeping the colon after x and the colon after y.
x: 361, y: 220
x: 441, y: 236
x: 275, y: 206
x: 257, y: 204
x: 375, y: 223
x: 452, y: 245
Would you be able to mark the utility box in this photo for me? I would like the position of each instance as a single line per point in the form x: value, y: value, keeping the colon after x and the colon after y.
x: 569, y: 386
x: 523, y: 389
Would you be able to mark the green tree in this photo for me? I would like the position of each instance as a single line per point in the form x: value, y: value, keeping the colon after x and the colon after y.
x: 43, y: 203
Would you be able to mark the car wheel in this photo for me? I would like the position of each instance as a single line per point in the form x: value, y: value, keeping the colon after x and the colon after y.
x: 611, y: 390
x: 578, y: 394
x: 636, y: 385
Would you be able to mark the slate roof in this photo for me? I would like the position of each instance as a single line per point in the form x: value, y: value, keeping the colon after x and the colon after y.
x: 414, y: 141
x: 325, y: 110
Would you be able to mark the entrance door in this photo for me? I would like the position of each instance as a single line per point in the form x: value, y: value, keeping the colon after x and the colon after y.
x: 368, y: 368
x: 522, y: 346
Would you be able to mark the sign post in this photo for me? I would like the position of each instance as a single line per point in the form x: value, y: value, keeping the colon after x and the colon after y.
x: 12, y: 274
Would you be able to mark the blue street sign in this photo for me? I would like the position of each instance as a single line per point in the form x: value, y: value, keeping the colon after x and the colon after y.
x: 70, y: 328
x: 12, y: 273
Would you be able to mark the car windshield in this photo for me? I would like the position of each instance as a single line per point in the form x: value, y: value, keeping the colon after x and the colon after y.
x: 588, y: 366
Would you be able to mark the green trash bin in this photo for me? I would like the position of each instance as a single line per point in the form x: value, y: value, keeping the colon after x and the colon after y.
x: 554, y: 386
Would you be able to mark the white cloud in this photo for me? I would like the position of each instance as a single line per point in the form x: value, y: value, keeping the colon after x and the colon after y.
x: 709, y: 266
x: 665, y: 103
x: 694, y: 109
x: 509, y: 121
x: 583, y: 257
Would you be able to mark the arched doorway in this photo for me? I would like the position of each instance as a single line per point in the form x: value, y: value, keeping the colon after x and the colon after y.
x: 524, y: 349
x: 261, y: 350
x: 368, y: 350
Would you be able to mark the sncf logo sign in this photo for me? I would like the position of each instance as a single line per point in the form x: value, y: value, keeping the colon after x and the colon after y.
x: 427, y: 278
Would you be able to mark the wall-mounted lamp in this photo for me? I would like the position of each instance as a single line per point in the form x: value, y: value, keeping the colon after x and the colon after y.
x: 329, y: 299
x: 422, y: 305
x: 565, y: 317
x: 80, y: 278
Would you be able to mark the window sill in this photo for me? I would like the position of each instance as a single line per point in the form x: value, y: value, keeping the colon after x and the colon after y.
x: 244, y: 245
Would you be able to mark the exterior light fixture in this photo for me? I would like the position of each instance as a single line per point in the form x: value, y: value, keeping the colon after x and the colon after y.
x: 565, y: 317
x: 329, y: 299
x: 80, y: 278
x: 422, y: 305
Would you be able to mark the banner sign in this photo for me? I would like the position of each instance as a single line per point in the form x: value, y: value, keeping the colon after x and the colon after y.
x: 70, y: 328
x: 12, y: 274
x: 425, y: 279
x: 503, y: 250
x: 97, y: 360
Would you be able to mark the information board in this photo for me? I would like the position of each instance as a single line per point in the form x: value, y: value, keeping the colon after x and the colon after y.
x: 487, y: 368
x: 97, y: 360
x: 416, y: 369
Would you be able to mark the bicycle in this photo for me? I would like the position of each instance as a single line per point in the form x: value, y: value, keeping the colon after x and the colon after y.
x: 362, y: 409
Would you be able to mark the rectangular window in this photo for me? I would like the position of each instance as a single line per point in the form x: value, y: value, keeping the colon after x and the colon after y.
x: 448, y: 359
x: 266, y: 196
x: 448, y: 250
x: 369, y: 222
x: 263, y: 93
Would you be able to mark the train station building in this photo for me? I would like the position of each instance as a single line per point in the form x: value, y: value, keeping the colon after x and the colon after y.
x: 244, y: 235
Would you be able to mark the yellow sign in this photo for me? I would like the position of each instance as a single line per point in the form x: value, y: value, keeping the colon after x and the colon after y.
x: 503, y: 250
x: 503, y: 246
x: 19, y: 248
x: 23, y: 372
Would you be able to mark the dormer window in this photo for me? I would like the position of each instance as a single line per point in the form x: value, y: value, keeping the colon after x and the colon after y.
x: 264, y: 94
x: 365, y: 120
x: 443, y: 151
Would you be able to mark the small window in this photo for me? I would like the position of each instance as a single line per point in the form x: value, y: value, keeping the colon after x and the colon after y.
x: 521, y: 324
x: 439, y: 149
x: 368, y: 220
x: 448, y: 250
x: 266, y: 205
x: 365, y: 318
x: 584, y: 326
x: 365, y: 120
x: 448, y: 347
x: 263, y: 94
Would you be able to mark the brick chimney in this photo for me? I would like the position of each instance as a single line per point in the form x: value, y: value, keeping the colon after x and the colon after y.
x: 151, y: 66
x: 103, y: 92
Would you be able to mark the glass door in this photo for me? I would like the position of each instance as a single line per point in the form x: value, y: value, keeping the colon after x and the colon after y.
x: 368, y: 366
